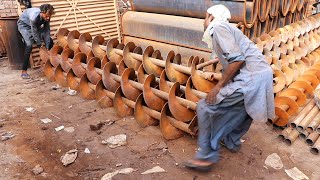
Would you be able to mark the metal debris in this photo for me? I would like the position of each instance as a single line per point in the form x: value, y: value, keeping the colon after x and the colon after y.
x: 156, y: 169
x: 46, y: 120
x: 121, y: 171
x: 274, y: 161
x: 296, y: 174
x: 6, y: 136
x: 69, y: 157
x: 116, y: 141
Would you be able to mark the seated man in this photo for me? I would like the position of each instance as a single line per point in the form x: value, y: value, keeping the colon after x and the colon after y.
x: 244, y: 93
x: 34, y: 26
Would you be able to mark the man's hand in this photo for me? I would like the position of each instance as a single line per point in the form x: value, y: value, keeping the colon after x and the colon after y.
x: 228, y: 74
x: 211, y: 97
x: 39, y: 45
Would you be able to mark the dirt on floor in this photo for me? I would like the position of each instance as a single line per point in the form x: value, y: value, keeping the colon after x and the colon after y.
x: 37, y: 143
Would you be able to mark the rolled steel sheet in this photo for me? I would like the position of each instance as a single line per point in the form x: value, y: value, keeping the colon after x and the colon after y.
x: 186, y: 53
x: 241, y: 10
x: 181, y: 31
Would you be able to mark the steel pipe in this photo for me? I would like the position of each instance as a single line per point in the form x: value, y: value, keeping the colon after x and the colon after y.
x: 303, y: 114
x: 316, y: 147
x: 241, y: 10
x: 312, y: 138
x: 314, y: 123
x: 146, y: 117
x: 293, y: 135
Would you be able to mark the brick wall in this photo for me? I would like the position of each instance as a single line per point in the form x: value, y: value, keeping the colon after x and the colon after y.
x: 8, y: 8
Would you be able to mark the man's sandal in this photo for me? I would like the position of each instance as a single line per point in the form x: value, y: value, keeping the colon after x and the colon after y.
x: 193, y: 166
x: 25, y: 76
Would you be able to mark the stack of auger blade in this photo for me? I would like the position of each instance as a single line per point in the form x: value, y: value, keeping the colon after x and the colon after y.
x: 295, y: 107
x: 179, y: 23
x: 296, y: 60
x: 157, y: 89
x: 162, y: 88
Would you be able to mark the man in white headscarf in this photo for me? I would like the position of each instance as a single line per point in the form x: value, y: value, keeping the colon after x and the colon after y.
x: 244, y: 93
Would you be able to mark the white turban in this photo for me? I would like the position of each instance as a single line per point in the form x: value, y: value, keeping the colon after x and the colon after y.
x: 220, y: 13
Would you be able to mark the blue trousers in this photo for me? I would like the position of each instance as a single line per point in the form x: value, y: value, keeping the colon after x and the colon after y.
x: 227, y: 121
x: 26, y: 34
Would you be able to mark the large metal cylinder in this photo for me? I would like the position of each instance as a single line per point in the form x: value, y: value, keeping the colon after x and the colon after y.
x: 175, y: 30
x: 241, y: 10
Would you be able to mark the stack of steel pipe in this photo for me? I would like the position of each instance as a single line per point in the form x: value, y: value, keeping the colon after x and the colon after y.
x: 306, y: 126
x: 179, y: 23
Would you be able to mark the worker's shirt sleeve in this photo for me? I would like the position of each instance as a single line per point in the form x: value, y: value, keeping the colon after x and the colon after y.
x: 35, y: 30
x: 225, y: 40
x: 46, y: 34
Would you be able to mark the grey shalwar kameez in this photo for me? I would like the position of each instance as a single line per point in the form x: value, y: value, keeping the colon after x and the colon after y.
x: 249, y: 95
x: 33, y: 29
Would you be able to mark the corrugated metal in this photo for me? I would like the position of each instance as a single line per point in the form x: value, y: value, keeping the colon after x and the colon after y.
x: 97, y: 17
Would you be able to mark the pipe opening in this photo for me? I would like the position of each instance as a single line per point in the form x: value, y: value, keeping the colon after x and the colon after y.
x: 309, y: 142
x: 310, y: 129
x: 288, y: 142
x: 293, y: 125
x: 314, y: 151
x: 300, y: 129
x: 303, y: 136
x: 281, y: 137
